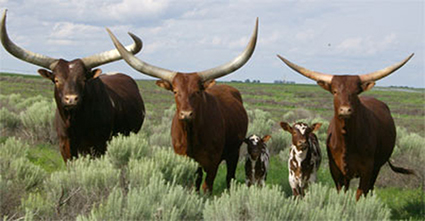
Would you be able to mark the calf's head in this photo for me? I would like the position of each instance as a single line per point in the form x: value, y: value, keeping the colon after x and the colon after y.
x: 69, y: 77
x: 346, y: 88
x: 188, y: 88
x: 256, y: 145
x: 300, y: 133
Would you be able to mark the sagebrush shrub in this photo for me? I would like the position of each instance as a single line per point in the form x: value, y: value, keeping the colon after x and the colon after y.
x: 9, y: 120
x: 320, y: 203
x: 160, y: 134
x: 121, y: 148
x: 156, y: 201
x: 260, y: 122
x: 37, y: 121
x: 18, y: 176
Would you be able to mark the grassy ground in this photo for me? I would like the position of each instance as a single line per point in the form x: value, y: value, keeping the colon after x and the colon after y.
x: 407, y: 108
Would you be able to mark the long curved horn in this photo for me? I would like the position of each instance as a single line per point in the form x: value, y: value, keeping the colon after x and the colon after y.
x: 138, y: 64
x: 374, y: 76
x: 25, y: 55
x: 236, y: 63
x: 317, y: 76
x: 112, y: 55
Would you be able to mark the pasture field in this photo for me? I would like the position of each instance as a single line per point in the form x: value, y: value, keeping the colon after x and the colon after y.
x: 141, y: 178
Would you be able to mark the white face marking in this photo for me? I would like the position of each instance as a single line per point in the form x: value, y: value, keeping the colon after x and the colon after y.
x: 254, y: 139
x: 301, y: 127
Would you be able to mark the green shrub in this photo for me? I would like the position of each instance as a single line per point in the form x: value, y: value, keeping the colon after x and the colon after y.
x: 13, y: 148
x: 246, y: 203
x: 260, y: 122
x: 160, y: 134
x: 76, y: 190
x: 176, y: 168
x: 122, y: 148
x: 18, y: 176
x: 320, y: 203
x: 37, y: 121
x: 157, y: 201
x: 9, y: 120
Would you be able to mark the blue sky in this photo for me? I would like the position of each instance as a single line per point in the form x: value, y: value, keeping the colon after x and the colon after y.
x: 336, y: 37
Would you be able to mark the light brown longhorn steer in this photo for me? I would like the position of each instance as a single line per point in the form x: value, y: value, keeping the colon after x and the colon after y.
x: 361, y: 135
x: 91, y: 107
x: 210, y: 122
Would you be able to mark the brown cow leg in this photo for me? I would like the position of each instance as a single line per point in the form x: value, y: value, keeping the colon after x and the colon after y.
x: 232, y: 163
x: 207, y: 187
x: 337, y: 176
x: 99, y: 150
x: 199, y: 176
x: 65, y: 149
x: 373, y: 179
x: 364, y: 185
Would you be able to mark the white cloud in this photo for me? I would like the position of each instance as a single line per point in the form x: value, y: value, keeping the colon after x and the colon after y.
x: 139, y: 8
x: 366, y: 45
x: 192, y: 34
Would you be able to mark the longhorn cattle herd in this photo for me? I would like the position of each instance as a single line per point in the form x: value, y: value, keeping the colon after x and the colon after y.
x: 210, y: 122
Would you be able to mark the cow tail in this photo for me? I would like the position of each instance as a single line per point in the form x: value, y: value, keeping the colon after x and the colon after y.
x: 401, y: 169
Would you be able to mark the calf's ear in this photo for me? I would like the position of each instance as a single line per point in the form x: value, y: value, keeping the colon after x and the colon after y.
x: 164, y: 84
x: 285, y: 126
x: 315, y: 127
x: 47, y: 74
x: 266, y: 138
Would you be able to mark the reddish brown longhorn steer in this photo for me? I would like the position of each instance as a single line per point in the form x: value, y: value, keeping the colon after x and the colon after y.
x: 91, y: 108
x: 210, y: 122
x: 361, y: 135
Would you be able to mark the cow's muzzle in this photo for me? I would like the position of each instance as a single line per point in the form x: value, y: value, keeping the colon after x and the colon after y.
x: 70, y: 101
x: 345, y: 112
x: 186, y: 115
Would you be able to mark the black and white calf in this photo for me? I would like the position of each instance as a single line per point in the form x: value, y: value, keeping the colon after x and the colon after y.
x: 257, y: 160
x: 304, y: 156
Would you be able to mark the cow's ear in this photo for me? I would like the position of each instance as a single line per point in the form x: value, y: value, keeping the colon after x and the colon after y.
x: 286, y: 126
x: 325, y: 85
x: 94, y: 73
x: 164, y: 84
x: 367, y: 85
x: 245, y: 140
x: 315, y: 127
x: 46, y: 74
x: 208, y: 84
x: 266, y: 138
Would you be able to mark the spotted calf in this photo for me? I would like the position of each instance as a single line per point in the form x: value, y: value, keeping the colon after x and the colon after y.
x: 257, y: 160
x: 304, y: 156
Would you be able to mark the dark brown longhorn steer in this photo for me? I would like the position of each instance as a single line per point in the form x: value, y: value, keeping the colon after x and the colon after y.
x: 91, y: 108
x: 361, y: 135
x: 210, y: 122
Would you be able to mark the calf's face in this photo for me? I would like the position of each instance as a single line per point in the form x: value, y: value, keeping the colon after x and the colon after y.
x: 255, y: 145
x: 300, y: 133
